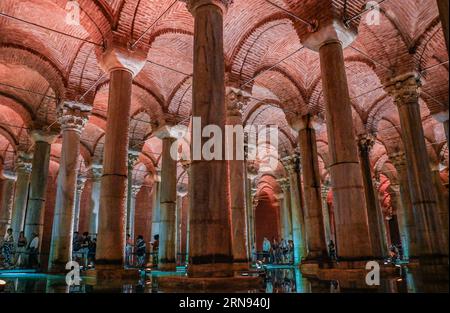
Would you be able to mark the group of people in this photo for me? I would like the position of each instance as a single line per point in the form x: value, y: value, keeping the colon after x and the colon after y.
x: 139, y: 249
x: 19, y: 253
x: 83, y: 249
x: 278, y: 251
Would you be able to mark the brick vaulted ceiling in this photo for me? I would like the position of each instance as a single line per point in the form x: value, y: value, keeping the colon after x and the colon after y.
x: 47, y: 60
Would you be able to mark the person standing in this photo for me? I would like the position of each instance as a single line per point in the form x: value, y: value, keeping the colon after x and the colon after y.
x: 266, y: 249
x: 21, y: 250
x: 140, y: 251
x: 33, y: 251
x: 8, y: 248
x: 129, y: 251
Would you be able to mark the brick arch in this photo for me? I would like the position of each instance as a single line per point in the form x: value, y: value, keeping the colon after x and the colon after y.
x: 245, y: 57
x: 20, y: 55
x: 180, y: 101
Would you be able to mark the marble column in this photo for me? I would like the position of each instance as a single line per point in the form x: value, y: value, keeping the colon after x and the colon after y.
x: 210, y: 214
x: 314, y: 224
x: 325, y: 190
x: 23, y: 170
x: 405, y: 215
x: 34, y: 219
x: 156, y: 200
x: 94, y: 202
x: 443, y: 203
x: 81, y: 181
x: 405, y: 91
x: 133, y: 157
x: 235, y: 101
x: 365, y: 145
x: 122, y: 65
x: 252, y: 173
x: 286, y: 212
x: 292, y: 166
x: 7, y: 185
x: 167, y: 226
x: 352, y: 229
x: 131, y: 225
x: 72, y: 118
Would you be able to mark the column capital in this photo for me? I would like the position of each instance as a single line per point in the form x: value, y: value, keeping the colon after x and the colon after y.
x: 398, y: 159
x: 81, y: 181
x: 97, y: 171
x: 193, y: 5
x: 405, y: 89
x: 306, y: 121
x: 366, y: 142
x: 38, y: 135
x: 24, y: 163
x: 73, y: 116
x: 236, y: 100
x: 284, y: 183
x: 252, y: 169
x: 334, y: 31
x: 167, y: 132
x: 120, y: 54
x: 133, y: 157
x: 292, y: 163
x: 135, y: 190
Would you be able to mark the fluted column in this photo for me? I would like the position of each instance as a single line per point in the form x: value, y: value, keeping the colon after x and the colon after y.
x: 156, y: 218
x: 235, y: 101
x: 81, y: 181
x: 326, y: 213
x: 167, y: 226
x: 133, y: 157
x: 292, y: 165
x: 443, y: 204
x: 405, y: 91
x: 122, y: 65
x: 23, y: 170
x: 352, y: 229
x: 314, y: 224
x: 34, y: 219
x: 210, y: 216
x: 365, y: 145
x: 72, y: 118
x: 252, y: 173
x: 132, y: 221
x: 405, y: 214
x: 7, y: 185
x: 286, y: 212
x: 94, y: 202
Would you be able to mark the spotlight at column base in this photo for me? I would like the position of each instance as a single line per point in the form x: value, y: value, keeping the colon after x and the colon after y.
x: 215, y: 284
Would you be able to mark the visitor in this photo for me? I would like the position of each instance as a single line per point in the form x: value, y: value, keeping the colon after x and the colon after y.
x: 332, y: 251
x: 254, y: 256
x: 291, y: 251
x: 33, y: 251
x: 75, y: 246
x: 140, y: 251
x: 84, y: 248
x: 129, y: 251
x: 266, y: 250
x: 8, y: 248
x: 92, y: 250
x: 21, y: 255
x: 155, y: 249
x: 274, y: 251
x: 284, y: 250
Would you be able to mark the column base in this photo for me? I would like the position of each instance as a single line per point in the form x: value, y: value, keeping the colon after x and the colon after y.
x: 167, y: 267
x: 215, y: 284
x: 241, y: 266
x: 344, y: 270
x: 110, y: 273
x: 218, y: 270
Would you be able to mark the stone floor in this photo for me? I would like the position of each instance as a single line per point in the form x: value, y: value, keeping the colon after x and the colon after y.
x: 276, y: 280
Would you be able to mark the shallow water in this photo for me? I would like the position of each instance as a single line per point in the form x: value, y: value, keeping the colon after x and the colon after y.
x: 275, y: 281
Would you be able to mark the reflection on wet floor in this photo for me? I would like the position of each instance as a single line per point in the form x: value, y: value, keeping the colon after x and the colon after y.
x: 286, y: 280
